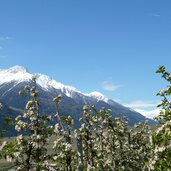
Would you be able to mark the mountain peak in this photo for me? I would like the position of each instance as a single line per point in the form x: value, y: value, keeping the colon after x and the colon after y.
x: 16, y: 69
x: 98, y: 96
x: 15, y: 73
x: 96, y: 93
x: 19, y: 74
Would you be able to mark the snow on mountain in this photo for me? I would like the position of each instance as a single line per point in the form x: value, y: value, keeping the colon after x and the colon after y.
x: 68, y: 90
x: 47, y: 83
x: 43, y: 80
x: 149, y: 113
x: 16, y: 73
x: 17, y: 69
x: 19, y: 74
x: 99, y: 96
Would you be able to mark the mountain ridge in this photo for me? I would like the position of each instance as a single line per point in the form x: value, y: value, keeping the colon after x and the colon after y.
x: 14, y: 79
x: 20, y: 74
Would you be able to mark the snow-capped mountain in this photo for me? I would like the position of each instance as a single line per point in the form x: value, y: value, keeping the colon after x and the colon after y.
x: 16, y: 73
x: 149, y: 113
x: 14, y: 79
x: 19, y: 74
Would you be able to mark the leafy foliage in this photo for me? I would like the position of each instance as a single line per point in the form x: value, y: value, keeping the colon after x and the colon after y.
x: 161, y: 159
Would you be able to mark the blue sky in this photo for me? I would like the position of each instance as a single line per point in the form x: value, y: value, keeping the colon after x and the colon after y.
x: 111, y: 46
